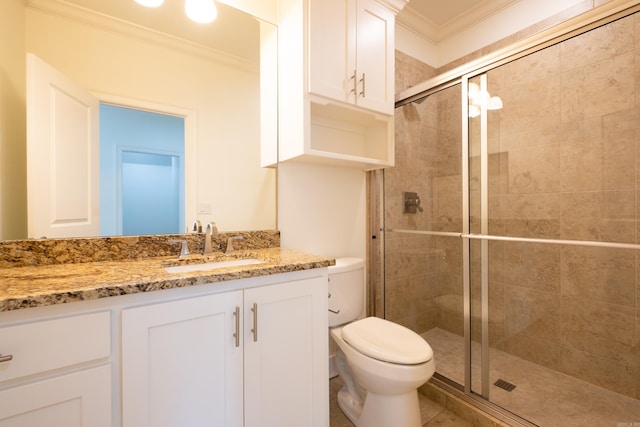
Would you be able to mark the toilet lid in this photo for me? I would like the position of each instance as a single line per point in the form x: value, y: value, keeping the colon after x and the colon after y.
x: 387, y: 341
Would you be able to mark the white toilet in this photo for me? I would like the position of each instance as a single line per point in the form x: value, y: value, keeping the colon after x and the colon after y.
x: 381, y: 363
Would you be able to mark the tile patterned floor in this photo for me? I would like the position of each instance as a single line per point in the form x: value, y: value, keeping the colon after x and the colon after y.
x: 543, y: 396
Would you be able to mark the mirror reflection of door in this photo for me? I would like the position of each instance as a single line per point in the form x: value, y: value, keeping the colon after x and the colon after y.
x: 78, y: 172
x: 141, y: 171
x: 62, y: 155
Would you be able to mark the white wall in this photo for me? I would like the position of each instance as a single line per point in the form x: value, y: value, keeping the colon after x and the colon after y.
x: 13, y: 193
x: 225, y: 100
x: 322, y: 209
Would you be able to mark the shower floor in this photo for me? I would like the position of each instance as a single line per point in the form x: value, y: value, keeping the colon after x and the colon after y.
x: 542, y: 396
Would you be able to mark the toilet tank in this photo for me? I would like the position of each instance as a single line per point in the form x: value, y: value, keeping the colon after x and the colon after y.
x: 346, y: 290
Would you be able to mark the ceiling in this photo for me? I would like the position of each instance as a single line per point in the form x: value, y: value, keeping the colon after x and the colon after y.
x: 233, y: 33
x: 438, y: 19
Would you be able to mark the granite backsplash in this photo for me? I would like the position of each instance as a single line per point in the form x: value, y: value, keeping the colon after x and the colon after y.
x: 23, y: 253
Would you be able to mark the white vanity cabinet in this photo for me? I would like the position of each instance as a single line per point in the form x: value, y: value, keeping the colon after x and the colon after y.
x: 336, y: 81
x: 57, y: 373
x: 351, y: 52
x: 252, y: 357
x: 180, y: 364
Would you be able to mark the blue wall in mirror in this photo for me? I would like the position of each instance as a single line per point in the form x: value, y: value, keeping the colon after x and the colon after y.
x: 141, y: 172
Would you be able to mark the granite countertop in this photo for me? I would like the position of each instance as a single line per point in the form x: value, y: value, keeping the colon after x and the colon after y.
x: 33, y: 286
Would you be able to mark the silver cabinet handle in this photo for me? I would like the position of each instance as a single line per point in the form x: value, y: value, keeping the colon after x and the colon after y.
x: 6, y: 358
x: 363, y: 80
x: 355, y: 83
x: 236, y: 334
x: 255, y: 322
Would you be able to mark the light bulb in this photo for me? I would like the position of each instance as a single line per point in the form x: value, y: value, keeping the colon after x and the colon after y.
x: 473, y: 89
x: 495, y: 103
x: 474, y: 111
x: 201, y: 11
x: 150, y: 3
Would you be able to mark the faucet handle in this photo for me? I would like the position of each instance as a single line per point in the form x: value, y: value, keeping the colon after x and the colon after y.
x: 184, y: 249
x: 230, y: 240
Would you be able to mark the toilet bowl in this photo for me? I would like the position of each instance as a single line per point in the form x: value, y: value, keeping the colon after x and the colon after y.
x: 381, y: 363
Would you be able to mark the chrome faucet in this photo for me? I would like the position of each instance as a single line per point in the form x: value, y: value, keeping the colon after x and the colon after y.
x: 197, y: 226
x: 211, y: 230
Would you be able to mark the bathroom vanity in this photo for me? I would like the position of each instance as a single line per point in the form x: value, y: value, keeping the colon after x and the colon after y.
x: 127, y: 343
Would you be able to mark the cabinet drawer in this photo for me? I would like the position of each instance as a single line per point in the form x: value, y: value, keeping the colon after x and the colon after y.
x: 51, y: 344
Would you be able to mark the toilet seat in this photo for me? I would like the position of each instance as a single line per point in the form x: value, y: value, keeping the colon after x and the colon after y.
x: 387, y: 341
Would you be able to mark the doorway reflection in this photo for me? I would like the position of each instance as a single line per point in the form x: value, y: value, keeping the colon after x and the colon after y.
x: 141, y: 172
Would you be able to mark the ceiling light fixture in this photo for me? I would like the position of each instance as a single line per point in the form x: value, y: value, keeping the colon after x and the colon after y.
x: 479, y: 99
x: 150, y: 3
x: 201, y: 11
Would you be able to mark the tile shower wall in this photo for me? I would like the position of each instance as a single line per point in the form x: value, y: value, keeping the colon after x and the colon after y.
x: 424, y: 271
x: 563, y: 156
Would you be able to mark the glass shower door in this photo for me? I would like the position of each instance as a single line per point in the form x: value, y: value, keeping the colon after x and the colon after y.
x: 423, y: 265
x: 553, y: 216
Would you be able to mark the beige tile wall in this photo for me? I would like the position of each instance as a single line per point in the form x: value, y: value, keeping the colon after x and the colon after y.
x: 562, y: 165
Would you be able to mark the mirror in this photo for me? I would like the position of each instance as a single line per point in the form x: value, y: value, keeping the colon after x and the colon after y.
x: 130, y: 55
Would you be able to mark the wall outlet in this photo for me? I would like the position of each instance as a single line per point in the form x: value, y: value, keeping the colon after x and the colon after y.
x: 204, y: 208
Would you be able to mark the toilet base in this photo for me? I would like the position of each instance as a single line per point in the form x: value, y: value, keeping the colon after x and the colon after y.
x: 401, y: 410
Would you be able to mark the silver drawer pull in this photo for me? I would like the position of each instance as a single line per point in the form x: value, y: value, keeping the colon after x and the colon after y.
x: 236, y: 334
x: 255, y: 322
x: 6, y: 358
x: 335, y: 311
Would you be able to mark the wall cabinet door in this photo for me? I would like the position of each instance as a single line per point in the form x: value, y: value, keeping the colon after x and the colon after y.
x: 375, y: 57
x: 80, y: 399
x: 351, y: 56
x: 286, y: 367
x: 181, y: 365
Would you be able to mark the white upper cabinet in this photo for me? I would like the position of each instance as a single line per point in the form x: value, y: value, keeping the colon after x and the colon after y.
x: 351, y: 52
x: 336, y: 62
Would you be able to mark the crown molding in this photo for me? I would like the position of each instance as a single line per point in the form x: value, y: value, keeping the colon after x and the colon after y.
x: 102, y: 21
x: 418, y: 23
x: 395, y: 5
x: 600, y: 15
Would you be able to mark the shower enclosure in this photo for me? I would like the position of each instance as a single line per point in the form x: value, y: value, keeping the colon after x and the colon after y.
x: 520, y: 266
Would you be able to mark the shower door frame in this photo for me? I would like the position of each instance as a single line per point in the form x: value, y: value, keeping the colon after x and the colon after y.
x: 581, y: 24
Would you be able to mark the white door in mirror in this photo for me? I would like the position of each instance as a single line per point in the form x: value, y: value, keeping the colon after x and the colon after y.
x: 63, y: 155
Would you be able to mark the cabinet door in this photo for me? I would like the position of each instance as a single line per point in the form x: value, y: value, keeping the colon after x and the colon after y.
x: 180, y: 363
x: 375, y: 57
x: 286, y: 363
x: 332, y: 59
x: 81, y: 399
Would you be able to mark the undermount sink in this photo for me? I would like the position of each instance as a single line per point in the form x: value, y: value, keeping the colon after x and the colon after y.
x: 212, y: 265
